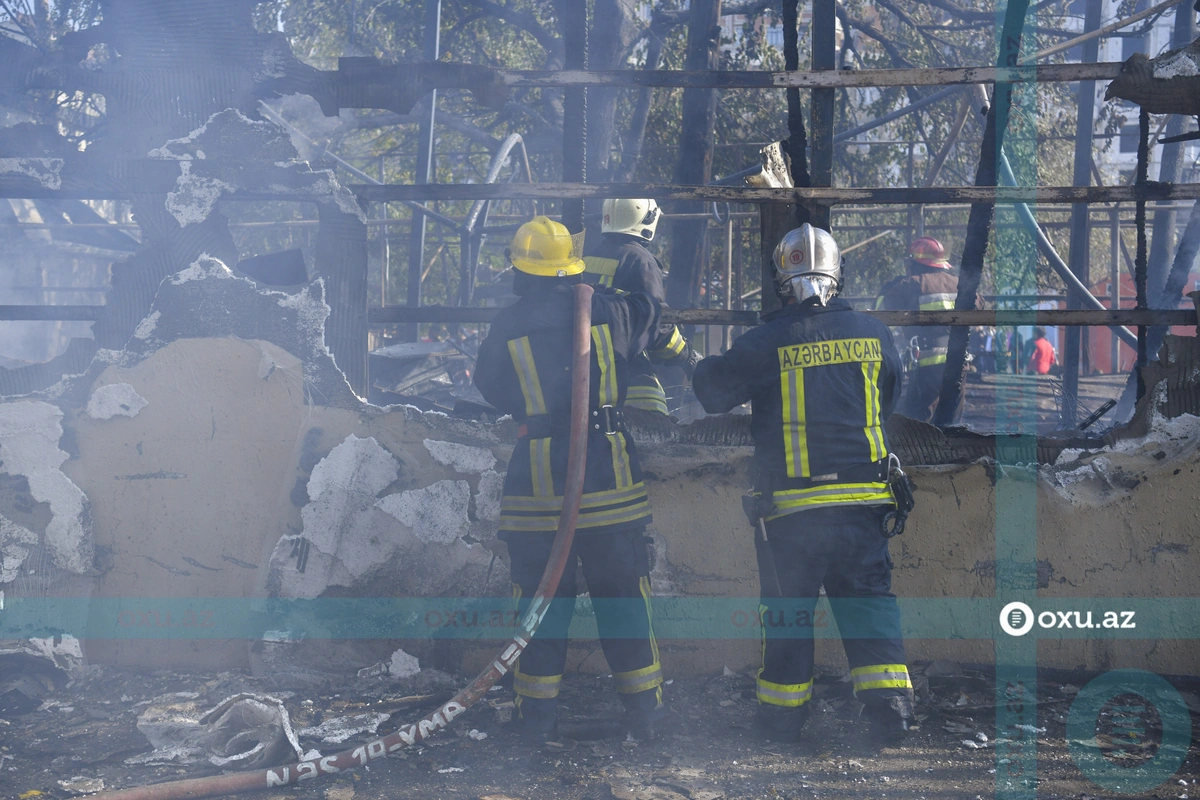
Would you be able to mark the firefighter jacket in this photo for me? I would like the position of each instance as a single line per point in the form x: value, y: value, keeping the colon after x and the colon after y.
x: 930, y: 289
x: 622, y: 263
x: 821, y: 381
x: 524, y: 369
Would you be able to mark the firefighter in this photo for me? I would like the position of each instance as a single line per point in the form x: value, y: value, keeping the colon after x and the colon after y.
x: 821, y: 379
x: 930, y: 284
x: 524, y: 369
x: 622, y: 262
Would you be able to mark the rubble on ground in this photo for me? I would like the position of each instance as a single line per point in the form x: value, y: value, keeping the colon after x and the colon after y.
x: 96, y: 732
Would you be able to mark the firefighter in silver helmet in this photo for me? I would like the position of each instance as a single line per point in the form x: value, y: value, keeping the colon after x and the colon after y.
x: 821, y: 379
x: 622, y: 262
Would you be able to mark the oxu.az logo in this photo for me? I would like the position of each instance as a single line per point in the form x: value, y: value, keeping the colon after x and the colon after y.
x: 1018, y: 619
x: 1129, y: 731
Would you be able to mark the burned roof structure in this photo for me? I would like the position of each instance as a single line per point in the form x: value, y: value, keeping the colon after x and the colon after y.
x: 203, y: 486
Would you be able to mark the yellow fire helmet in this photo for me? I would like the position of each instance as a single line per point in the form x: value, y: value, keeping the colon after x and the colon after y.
x: 546, y: 248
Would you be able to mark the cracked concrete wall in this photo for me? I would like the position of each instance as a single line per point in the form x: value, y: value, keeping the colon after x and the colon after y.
x: 222, y: 455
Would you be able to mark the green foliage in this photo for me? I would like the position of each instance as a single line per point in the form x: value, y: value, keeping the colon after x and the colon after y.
x: 523, y: 34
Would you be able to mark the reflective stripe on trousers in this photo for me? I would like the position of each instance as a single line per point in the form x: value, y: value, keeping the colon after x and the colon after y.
x: 542, y: 687
x: 646, y: 678
x: 880, y: 676
x: 834, y: 494
x: 789, y: 695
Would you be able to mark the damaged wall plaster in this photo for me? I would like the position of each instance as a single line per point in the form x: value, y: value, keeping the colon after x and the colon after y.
x: 16, y: 542
x: 436, y: 513
x: 113, y: 400
x: 487, y: 499
x: 30, y: 431
x: 202, y: 181
x: 253, y: 471
x: 45, y: 171
x: 461, y: 457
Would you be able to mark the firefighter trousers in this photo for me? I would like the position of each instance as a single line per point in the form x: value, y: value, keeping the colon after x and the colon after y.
x: 616, y: 568
x: 842, y: 549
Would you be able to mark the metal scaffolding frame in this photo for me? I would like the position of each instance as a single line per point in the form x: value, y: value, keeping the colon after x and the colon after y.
x: 137, y: 177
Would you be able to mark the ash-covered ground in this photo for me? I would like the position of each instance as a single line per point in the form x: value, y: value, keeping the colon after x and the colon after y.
x: 85, y: 737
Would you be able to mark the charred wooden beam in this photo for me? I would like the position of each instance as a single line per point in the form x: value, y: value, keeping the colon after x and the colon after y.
x: 341, y: 259
x: 821, y: 106
x: 699, y: 316
x: 924, y: 76
x: 125, y: 180
x: 74, y: 313
x: 392, y: 315
x: 696, y: 139
x: 736, y: 194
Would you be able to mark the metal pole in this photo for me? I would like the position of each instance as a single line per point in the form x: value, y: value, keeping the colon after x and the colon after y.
x: 728, y: 305
x: 1140, y: 270
x: 1114, y: 277
x: 384, y: 246
x: 823, y: 58
x: 1170, y: 170
x: 912, y: 217
x: 1080, y: 245
x: 424, y: 168
x: 575, y: 38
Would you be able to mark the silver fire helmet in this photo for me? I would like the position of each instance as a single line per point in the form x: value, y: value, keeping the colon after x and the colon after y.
x: 808, y: 264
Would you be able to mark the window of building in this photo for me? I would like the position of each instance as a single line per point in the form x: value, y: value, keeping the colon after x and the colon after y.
x: 1129, y: 139
x: 1130, y: 45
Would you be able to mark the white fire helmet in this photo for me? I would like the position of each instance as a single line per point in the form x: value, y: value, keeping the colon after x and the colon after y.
x: 634, y: 217
x: 808, y: 264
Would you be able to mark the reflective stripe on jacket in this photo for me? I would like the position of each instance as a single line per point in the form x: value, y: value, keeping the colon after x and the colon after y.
x: 621, y: 262
x: 524, y: 369
x: 929, y: 290
x: 821, y: 381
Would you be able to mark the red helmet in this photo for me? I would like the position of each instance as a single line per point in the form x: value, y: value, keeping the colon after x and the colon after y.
x: 928, y: 251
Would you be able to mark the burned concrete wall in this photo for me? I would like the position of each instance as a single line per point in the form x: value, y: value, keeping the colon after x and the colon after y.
x: 220, y: 457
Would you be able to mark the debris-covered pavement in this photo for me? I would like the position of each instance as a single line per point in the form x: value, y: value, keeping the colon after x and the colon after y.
x: 107, y: 729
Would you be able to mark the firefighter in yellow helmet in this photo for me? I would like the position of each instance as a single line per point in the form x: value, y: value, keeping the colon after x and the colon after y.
x: 621, y: 261
x: 524, y: 369
x: 821, y: 379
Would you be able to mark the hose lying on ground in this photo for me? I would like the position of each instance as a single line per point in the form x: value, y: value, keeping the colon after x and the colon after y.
x: 219, y: 785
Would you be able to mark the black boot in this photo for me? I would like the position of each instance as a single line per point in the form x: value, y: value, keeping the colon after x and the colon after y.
x: 536, y: 720
x: 779, y: 723
x: 643, y: 712
x: 889, y: 721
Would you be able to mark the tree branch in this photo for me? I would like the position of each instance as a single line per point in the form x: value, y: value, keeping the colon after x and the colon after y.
x: 888, y: 46
x: 524, y: 20
x: 468, y: 129
x: 907, y: 19
x: 962, y: 13
x: 641, y: 113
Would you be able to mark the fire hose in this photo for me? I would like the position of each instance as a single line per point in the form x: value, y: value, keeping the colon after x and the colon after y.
x: 408, y: 735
